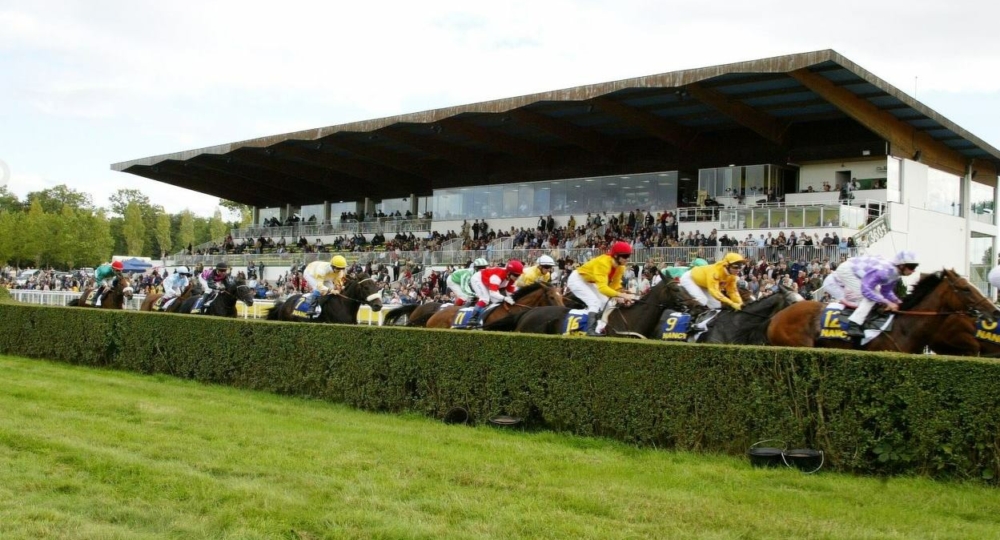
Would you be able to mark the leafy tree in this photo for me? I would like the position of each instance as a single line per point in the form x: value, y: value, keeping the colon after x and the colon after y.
x: 134, y: 229
x: 185, y: 229
x: 9, y: 201
x: 96, y: 240
x: 65, y: 237
x: 121, y: 199
x: 217, y: 227
x: 53, y: 199
x: 36, y: 235
x: 243, y: 212
x: 163, y: 231
x: 10, y: 233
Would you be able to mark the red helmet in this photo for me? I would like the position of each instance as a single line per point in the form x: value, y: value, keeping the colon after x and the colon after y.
x: 117, y: 265
x: 620, y: 248
x: 515, y: 267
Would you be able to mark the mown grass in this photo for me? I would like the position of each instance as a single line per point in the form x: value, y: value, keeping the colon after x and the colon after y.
x: 87, y: 453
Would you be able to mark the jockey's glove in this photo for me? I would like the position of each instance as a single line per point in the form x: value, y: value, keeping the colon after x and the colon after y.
x: 509, y: 300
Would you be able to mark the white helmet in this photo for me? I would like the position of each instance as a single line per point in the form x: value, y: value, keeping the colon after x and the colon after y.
x: 905, y: 257
x: 184, y: 271
x: 480, y: 263
x: 545, y: 260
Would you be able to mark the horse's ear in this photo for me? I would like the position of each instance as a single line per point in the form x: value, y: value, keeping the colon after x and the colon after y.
x: 939, y: 274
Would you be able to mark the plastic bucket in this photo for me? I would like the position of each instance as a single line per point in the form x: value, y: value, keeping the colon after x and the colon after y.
x: 456, y: 415
x: 806, y: 460
x: 765, y: 456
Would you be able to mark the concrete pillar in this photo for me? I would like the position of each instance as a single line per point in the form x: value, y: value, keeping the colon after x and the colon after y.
x: 967, y: 213
x: 254, y: 215
x: 326, y: 211
x: 413, y: 205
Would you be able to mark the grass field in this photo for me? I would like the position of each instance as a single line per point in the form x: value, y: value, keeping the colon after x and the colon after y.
x: 97, y: 454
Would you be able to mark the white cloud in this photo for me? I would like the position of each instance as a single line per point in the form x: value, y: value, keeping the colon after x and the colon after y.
x: 101, y: 81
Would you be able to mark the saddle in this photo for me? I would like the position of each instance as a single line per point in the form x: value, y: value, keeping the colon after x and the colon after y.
x: 162, y: 303
x: 834, y: 323
x: 92, y: 297
x: 301, y: 308
x: 463, y: 318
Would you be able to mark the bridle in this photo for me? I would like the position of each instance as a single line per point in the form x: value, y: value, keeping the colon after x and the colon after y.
x: 356, y: 283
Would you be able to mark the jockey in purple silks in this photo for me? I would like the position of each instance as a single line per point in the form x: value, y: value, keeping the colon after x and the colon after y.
x: 869, y: 280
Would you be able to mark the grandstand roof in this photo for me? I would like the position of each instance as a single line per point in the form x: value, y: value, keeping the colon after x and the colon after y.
x: 794, y: 108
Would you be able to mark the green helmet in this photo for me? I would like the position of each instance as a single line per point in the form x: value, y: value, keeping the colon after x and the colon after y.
x: 480, y: 263
x: 699, y: 262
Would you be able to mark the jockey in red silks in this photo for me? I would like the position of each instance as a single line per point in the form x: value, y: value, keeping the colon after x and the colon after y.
x: 488, y: 283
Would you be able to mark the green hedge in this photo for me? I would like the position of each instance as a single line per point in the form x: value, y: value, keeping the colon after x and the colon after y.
x: 870, y: 413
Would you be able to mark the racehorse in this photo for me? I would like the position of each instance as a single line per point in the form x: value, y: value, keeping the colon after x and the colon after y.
x: 224, y: 304
x: 637, y: 320
x: 934, y: 298
x: 438, y: 315
x: 121, y: 290
x: 151, y: 301
x: 338, y: 308
x: 749, y: 325
x: 966, y: 335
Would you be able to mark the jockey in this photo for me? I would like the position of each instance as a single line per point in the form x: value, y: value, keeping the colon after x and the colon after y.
x: 324, y: 278
x: 677, y: 271
x: 212, y: 281
x: 488, y: 283
x: 460, y: 282
x: 994, y: 278
x: 175, y: 285
x: 869, y: 280
x: 541, y: 271
x: 833, y: 287
x: 715, y: 284
x: 600, y: 279
x: 106, y: 274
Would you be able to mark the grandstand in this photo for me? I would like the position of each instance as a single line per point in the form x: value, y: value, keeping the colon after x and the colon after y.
x: 808, y: 143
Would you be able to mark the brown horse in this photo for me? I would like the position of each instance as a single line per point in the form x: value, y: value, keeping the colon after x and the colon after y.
x: 934, y: 298
x: 121, y: 290
x: 151, y: 301
x: 435, y: 316
x: 966, y: 335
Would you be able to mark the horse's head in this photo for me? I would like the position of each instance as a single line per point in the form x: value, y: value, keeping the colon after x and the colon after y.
x: 967, y: 297
x: 670, y: 295
x: 244, y: 293
x: 538, y: 294
x: 363, y: 289
x: 125, y: 288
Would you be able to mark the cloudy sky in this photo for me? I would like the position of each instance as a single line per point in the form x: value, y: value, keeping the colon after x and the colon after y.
x: 87, y: 84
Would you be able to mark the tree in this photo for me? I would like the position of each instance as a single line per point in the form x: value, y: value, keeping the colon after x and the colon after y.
x: 134, y: 229
x: 121, y: 198
x: 53, y: 199
x: 9, y: 201
x: 64, y: 248
x: 96, y: 240
x: 36, y: 235
x: 243, y: 212
x: 217, y: 227
x: 163, y: 231
x: 185, y: 230
x: 10, y: 233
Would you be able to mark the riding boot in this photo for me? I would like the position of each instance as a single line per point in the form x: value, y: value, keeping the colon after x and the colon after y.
x: 477, y: 316
x: 592, y: 320
x: 854, y: 330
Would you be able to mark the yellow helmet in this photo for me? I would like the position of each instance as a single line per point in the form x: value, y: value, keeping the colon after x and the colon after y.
x: 733, y: 258
x: 338, y: 262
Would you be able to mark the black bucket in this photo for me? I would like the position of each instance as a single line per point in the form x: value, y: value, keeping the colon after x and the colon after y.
x: 505, y: 421
x: 806, y: 460
x: 456, y: 415
x: 765, y: 456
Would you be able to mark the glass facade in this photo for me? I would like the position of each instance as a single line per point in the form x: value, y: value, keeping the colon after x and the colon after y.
x: 744, y: 180
x: 982, y: 198
x: 558, y: 197
x: 944, y: 192
x: 794, y: 217
x: 267, y: 213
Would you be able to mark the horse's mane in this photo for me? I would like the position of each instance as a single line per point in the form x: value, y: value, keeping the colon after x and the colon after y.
x: 525, y: 291
x: 927, y: 283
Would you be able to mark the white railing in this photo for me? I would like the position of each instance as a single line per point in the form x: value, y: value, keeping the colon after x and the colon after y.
x: 258, y: 310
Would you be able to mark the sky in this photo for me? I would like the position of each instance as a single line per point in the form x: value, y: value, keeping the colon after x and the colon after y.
x: 87, y: 84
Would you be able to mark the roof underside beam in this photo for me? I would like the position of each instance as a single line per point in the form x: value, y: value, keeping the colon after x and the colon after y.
x: 163, y: 172
x: 494, y: 138
x: 760, y: 123
x: 237, y: 182
x: 584, y: 138
x: 673, y: 134
x: 369, y: 172
x: 433, y: 146
x: 905, y: 140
